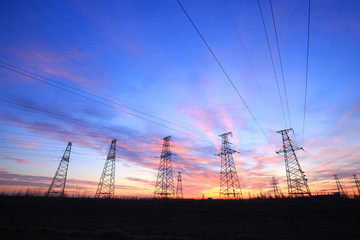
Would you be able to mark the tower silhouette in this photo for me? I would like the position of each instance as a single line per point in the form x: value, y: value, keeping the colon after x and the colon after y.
x: 357, y: 183
x: 296, y: 181
x: 275, y: 187
x: 179, y: 191
x: 229, y: 181
x: 164, y: 187
x: 106, y: 187
x: 57, y: 186
x: 340, y: 187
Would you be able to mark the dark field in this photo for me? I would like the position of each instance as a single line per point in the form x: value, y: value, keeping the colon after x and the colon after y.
x: 76, y: 218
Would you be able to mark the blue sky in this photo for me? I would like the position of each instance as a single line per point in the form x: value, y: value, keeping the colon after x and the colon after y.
x: 152, y: 76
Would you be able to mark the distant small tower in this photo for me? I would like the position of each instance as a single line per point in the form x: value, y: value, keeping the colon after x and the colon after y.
x: 275, y: 187
x: 357, y: 184
x: 229, y: 181
x: 339, y: 187
x: 164, y: 187
x: 179, y: 191
x: 106, y: 187
x: 57, y: 186
x: 296, y: 180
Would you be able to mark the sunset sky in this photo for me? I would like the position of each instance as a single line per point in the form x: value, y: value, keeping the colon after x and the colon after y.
x: 137, y: 71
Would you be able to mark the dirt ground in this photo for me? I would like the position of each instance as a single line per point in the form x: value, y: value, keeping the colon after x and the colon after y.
x: 84, y: 218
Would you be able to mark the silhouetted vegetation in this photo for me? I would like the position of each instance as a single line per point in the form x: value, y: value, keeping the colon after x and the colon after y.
x: 35, y: 217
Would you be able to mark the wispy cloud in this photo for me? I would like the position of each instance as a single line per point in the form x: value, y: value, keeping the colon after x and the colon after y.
x: 22, y: 161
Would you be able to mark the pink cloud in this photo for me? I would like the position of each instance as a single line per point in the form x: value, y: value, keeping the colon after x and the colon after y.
x: 22, y: 161
x: 56, y: 66
x: 344, y: 117
x: 205, y: 121
x: 151, y: 183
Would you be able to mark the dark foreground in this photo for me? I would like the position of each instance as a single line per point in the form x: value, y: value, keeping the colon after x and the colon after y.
x: 75, y: 218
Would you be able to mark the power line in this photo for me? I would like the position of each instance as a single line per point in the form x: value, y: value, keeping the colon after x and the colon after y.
x: 32, y: 135
x: 86, y: 66
x: 79, y: 152
x: 38, y: 136
x: 55, y: 116
x: 307, y: 70
x: 281, y: 65
x: 72, y: 133
x: 191, y: 149
x: 53, y: 131
x: 58, y: 149
x: 28, y: 154
x: 6, y: 156
x: 58, y: 131
x: 39, y: 111
x: 225, y: 73
x: 49, y: 147
x: 95, y: 136
x: 62, y: 139
x: 102, y: 98
x: 19, y: 70
x: 76, y: 61
x: 17, y: 141
x: 272, y: 61
x: 85, y: 87
x: 245, y: 52
x: 64, y: 132
x: 97, y: 96
x: 44, y: 46
x: 312, y: 157
x: 54, y: 149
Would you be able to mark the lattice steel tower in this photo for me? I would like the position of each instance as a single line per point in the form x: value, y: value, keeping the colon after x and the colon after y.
x: 164, y: 187
x: 57, y: 186
x: 106, y: 187
x: 179, y: 192
x: 275, y: 187
x: 229, y: 181
x: 296, y: 181
x: 339, y: 186
x: 357, y: 183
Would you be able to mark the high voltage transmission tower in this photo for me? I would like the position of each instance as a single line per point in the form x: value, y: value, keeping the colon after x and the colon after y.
x: 57, y: 186
x: 164, y: 187
x: 296, y: 181
x: 179, y: 191
x: 357, y: 183
x: 275, y: 188
x: 340, y: 187
x: 229, y: 181
x: 106, y: 187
